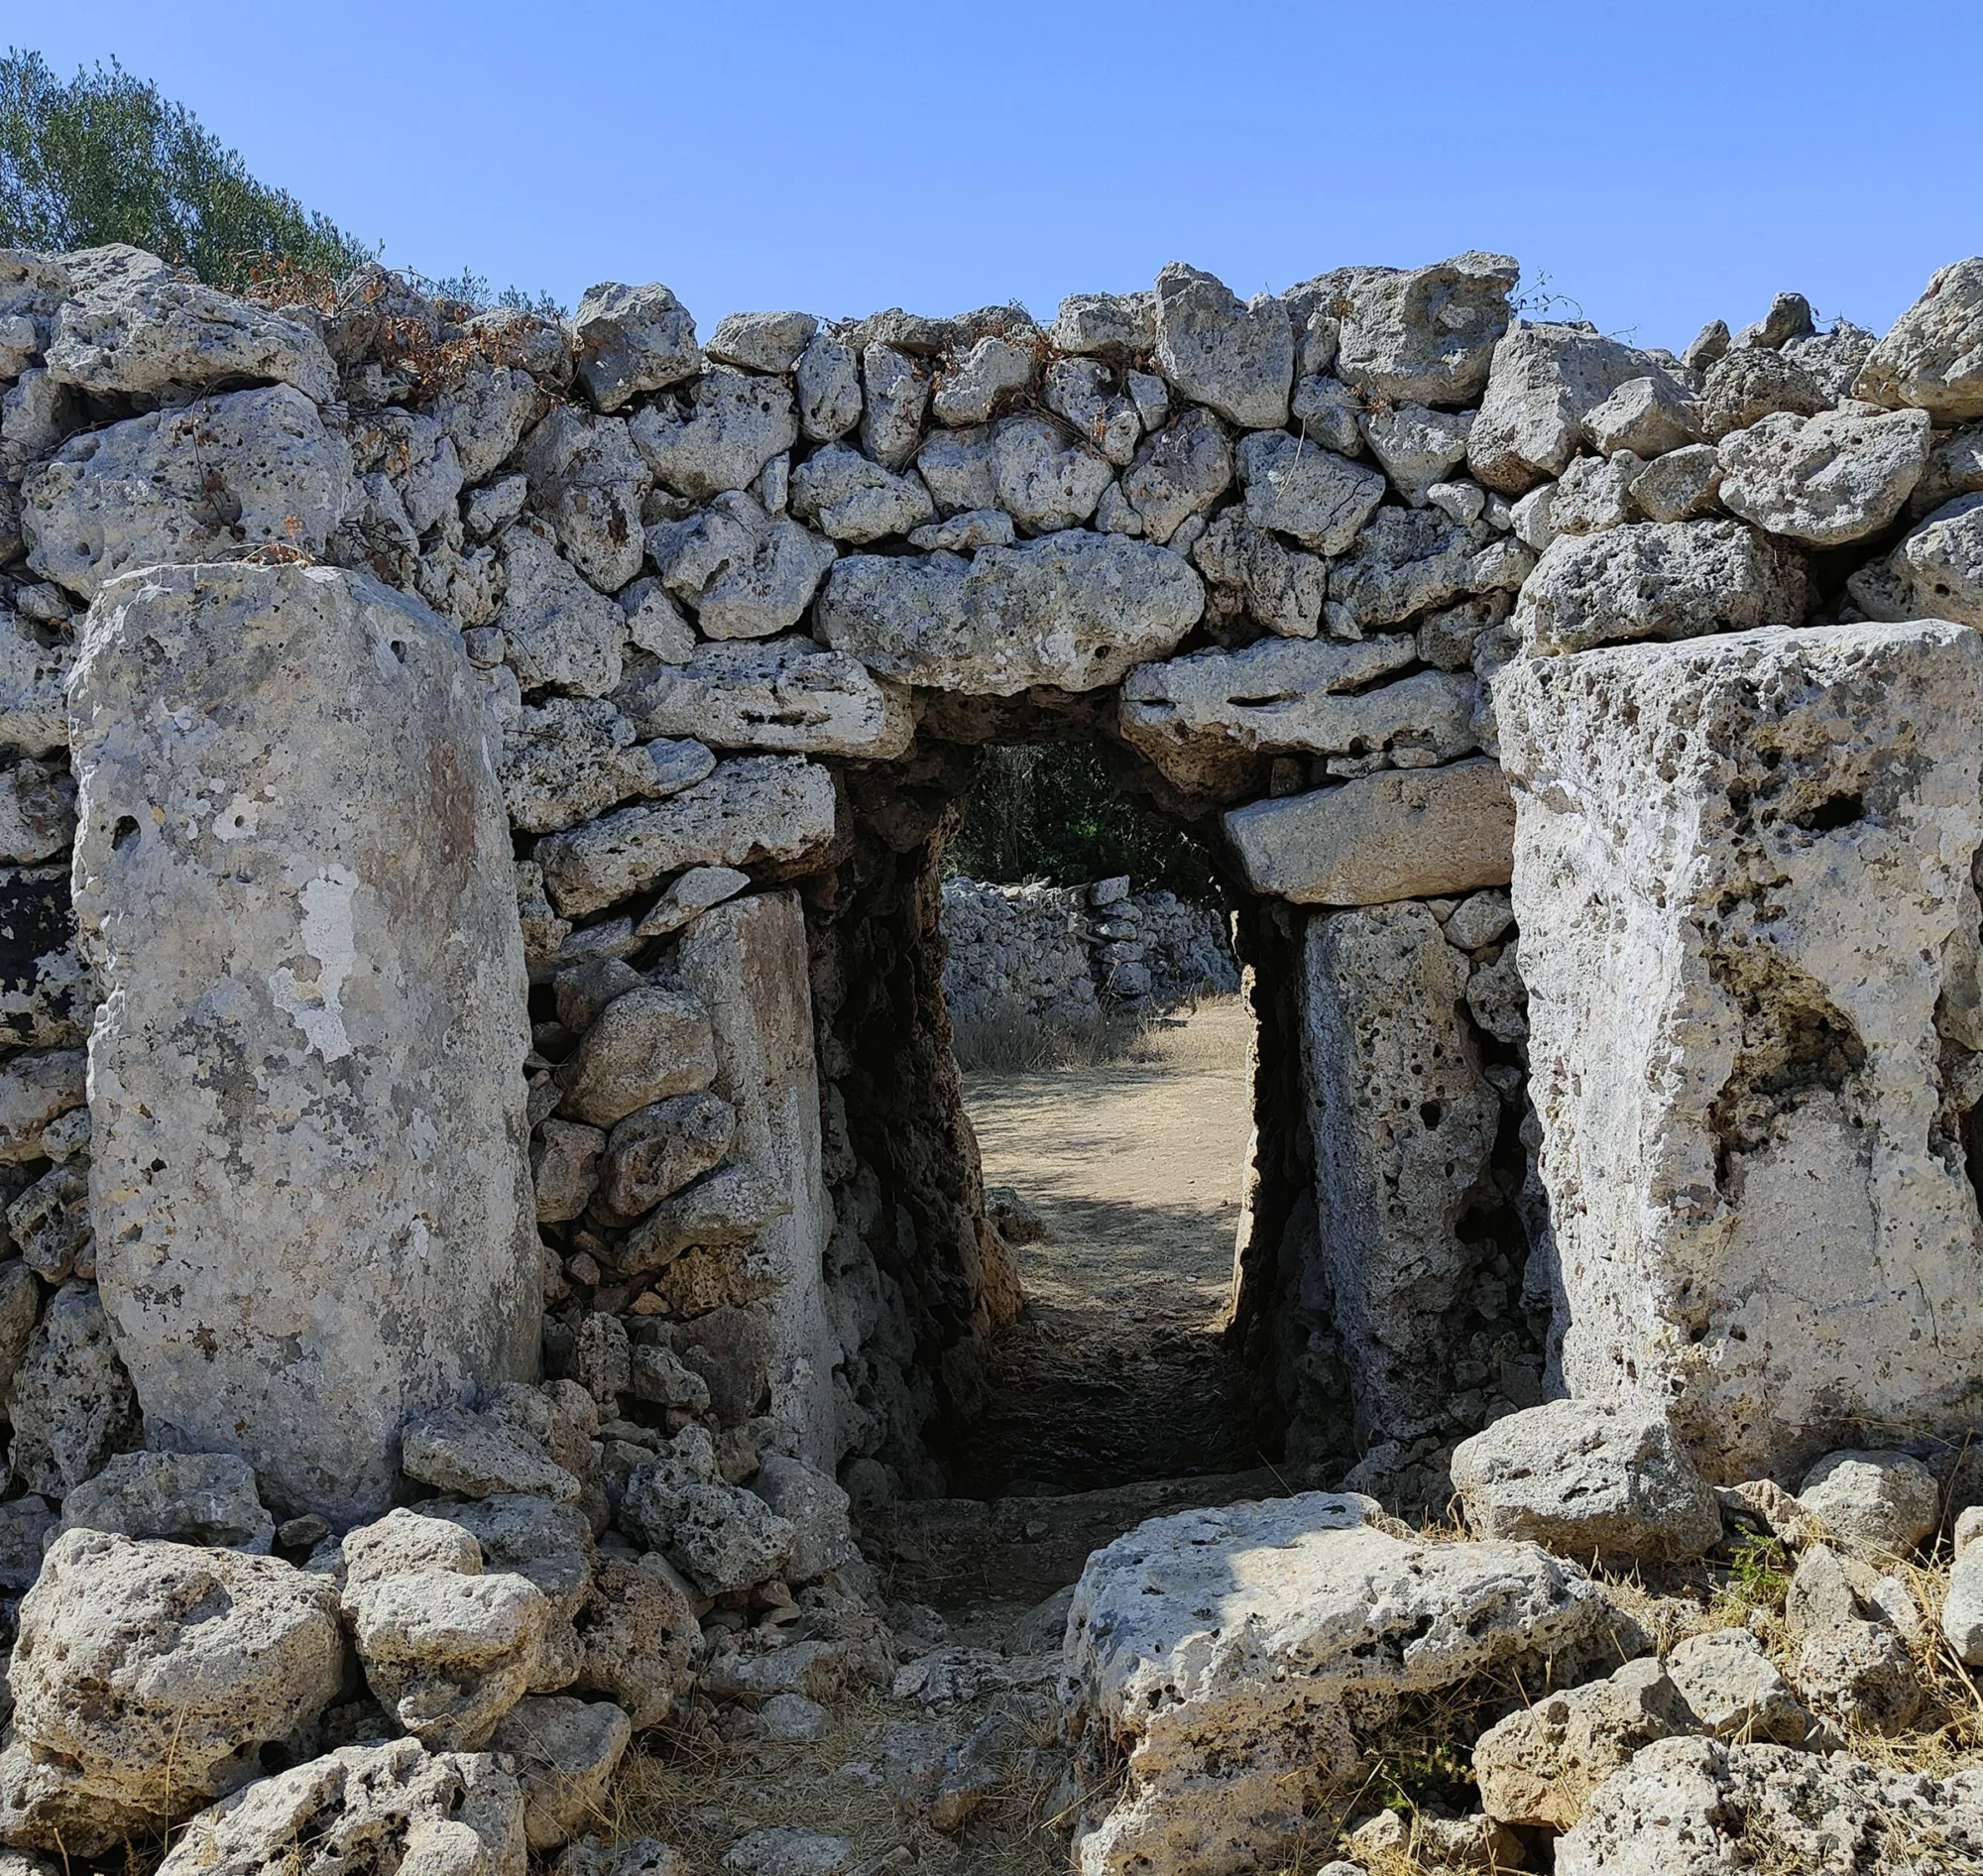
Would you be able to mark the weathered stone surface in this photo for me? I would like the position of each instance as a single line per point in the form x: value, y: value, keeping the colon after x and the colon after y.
x: 1588, y: 1479
x: 1178, y: 472
x: 1236, y: 356
x: 188, y: 1497
x: 1078, y: 389
x: 762, y: 342
x: 897, y: 392
x: 1228, y: 1655
x: 1733, y: 1688
x: 569, y: 758
x: 1658, y: 580
x: 486, y: 416
x: 974, y: 527
x: 646, y: 1045
x: 1399, y: 834
x: 745, y: 573
x: 1742, y: 881
x: 1940, y: 563
x: 72, y: 1405
x: 657, y: 1150
x: 1403, y: 1122
x: 1044, y: 482
x: 721, y: 1537
x: 1748, y: 386
x: 148, y: 336
x: 316, y: 877
x: 828, y: 382
x: 1427, y: 335
x: 1861, y: 1674
x: 785, y: 1851
x: 816, y: 1509
x: 35, y: 1090
x: 145, y: 491
x: 1648, y: 416
x: 481, y: 1456
x: 1405, y: 560
x: 789, y: 694
x: 147, y: 1676
x: 1825, y: 480
x: 1679, y: 486
x: 559, y: 633
x: 587, y: 481
x: 364, y: 1811
x: 49, y: 1225
x: 565, y: 1752
x: 848, y: 498
x: 1699, y: 1808
x: 1540, y: 1765
x: 1931, y: 358
x: 717, y: 434
x: 1878, y: 1505
x: 34, y: 678
x: 1296, y: 488
x: 1075, y: 610
x: 1962, y: 1606
x: 752, y: 807
x: 1416, y: 446
x: 1105, y: 325
x: 1544, y: 382
x: 630, y: 339
x: 966, y: 391
x: 1592, y: 495
x: 641, y: 1637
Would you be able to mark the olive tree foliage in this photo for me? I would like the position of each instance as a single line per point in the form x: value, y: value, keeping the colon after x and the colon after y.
x: 105, y: 158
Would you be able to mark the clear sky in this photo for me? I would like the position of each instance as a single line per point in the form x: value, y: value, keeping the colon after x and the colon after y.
x: 1660, y: 164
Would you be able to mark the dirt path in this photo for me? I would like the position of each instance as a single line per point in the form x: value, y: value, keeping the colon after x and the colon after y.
x: 1115, y: 1372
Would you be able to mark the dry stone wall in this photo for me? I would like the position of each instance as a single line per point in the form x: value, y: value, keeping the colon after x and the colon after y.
x: 1372, y: 584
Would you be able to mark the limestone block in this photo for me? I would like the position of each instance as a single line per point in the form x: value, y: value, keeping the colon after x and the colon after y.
x: 955, y: 468
x: 828, y: 384
x: 1044, y: 482
x: 1749, y: 385
x: 1296, y: 488
x: 1742, y: 878
x: 1876, y: 1505
x: 147, y: 1676
x: 480, y: 1454
x: 641, y: 1637
x: 1834, y: 358
x: 1075, y: 610
x: 453, y: 1812
x: 587, y: 481
x: 895, y: 395
x: 657, y: 1150
x: 35, y: 1090
x: 1417, y: 447
x: 1236, y: 356
x: 155, y: 339
x: 848, y: 498
x: 974, y: 527
x: 721, y: 1537
x: 34, y: 680
x: 816, y: 1509
x: 1962, y: 1606
x: 1825, y: 480
x: 226, y: 472
x: 1699, y: 1808
x: 1658, y: 580
x: 1224, y: 1654
x: 1424, y: 334
x: 1931, y: 358
x: 27, y: 1525
x: 560, y: 634
x: 717, y: 434
x: 745, y: 573
x: 1545, y: 379
x: 1649, y: 417
x: 568, y: 759
x: 785, y: 695
x: 1593, y: 494
x: 1940, y: 563
x: 1105, y: 325
x: 565, y: 1752
x: 648, y: 1044
x: 72, y: 1405
x: 1860, y: 1674
x: 485, y: 417
x: 49, y: 1225
x: 1179, y: 471
x: 1588, y: 1479
x: 316, y: 876
x: 1077, y: 388
x: 37, y: 414
x: 1327, y: 411
x: 762, y: 342
x: 188, y: 1497
x: 1734, y: 1690
x: 1404, y: 560
x: 752, y: 808
x: 1402, y: 833
x: 630, y: 339
x: 968, y: 389
x: 1403, y: 1122
x: 1683, y: 485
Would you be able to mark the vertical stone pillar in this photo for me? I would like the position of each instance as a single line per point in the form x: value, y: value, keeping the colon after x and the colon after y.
x: 1403, y: 1122
x: 1742, y: 872
x: 310, y: 1187
x: 747, y: 961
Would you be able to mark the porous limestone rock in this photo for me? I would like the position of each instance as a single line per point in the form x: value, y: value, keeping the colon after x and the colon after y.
x: 548, y: 1543
x: 142, y: 333
x: 486, y: 416
x: 1931, y: 358
x: 1403, y: 1122
x: 1649, y: 417
x: 751, y: 808
x: 73, y: 1404
x: 364, y: 1811
x: 1540, y: 1765
x: 586, y: 481
x: 1077, y: 389
x: 1861, y: 1674
x: 480, y: 1455
x: 1742, y: 877
x: 1750, y: 385
x: 1878, y: 1505
x: 1544, y: 382
x: 1683, y: 485
x: 955, y: 468
x: 816, y: 1509
x: 1424, y: 334
x: 34, y: 681
x: 1179, y: 471
x: 250, y: 468
x: 784, y: 694
x: 828, y: 382
x: 146, y: 1678
x: 1698, y: 1808
x: 568, y: 759
x: 565, y: 1752
x: 1298, y: 488
x: 1734, y: 1691
x: 848, y: 498
x: 34, y: 1090
x: 1826, y: 480
x: 1658, y: 580
x: 1402, y: 833
x: 640, y: 1638
x: 559, y: 633
x: 1042, y: 480
x: 1588, y: 1479
x: 629, y: 339
x: 1940, y: 563
x: 1225, y: 1659
x: 744, y: 572
x: 896, y: 394
x: 314, y: 876
x: 1074, y: 610
x: 717, y: 434
x: 657, y: 1150
x: 720, y: 1536
x: 1404, y: 560
x: 993, y: 368
x: 188, y: 1497
x: 1963, y: 1605
x: 646, y: 1045
x: 1417, y: 447
x: 1105, y: 325
x: 762, y: 342
x: 1236, y: 356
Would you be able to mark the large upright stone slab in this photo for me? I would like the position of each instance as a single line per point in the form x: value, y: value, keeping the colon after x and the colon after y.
x: 1403, y: 1122
x: 747, y: 961
x: 1742, y: 872
x: 310, y: 1188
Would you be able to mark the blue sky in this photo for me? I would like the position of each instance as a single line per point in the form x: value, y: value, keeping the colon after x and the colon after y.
x: 1660, y: 164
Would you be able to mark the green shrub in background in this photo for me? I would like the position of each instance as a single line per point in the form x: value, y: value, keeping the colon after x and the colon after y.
x: 1052, y: 814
